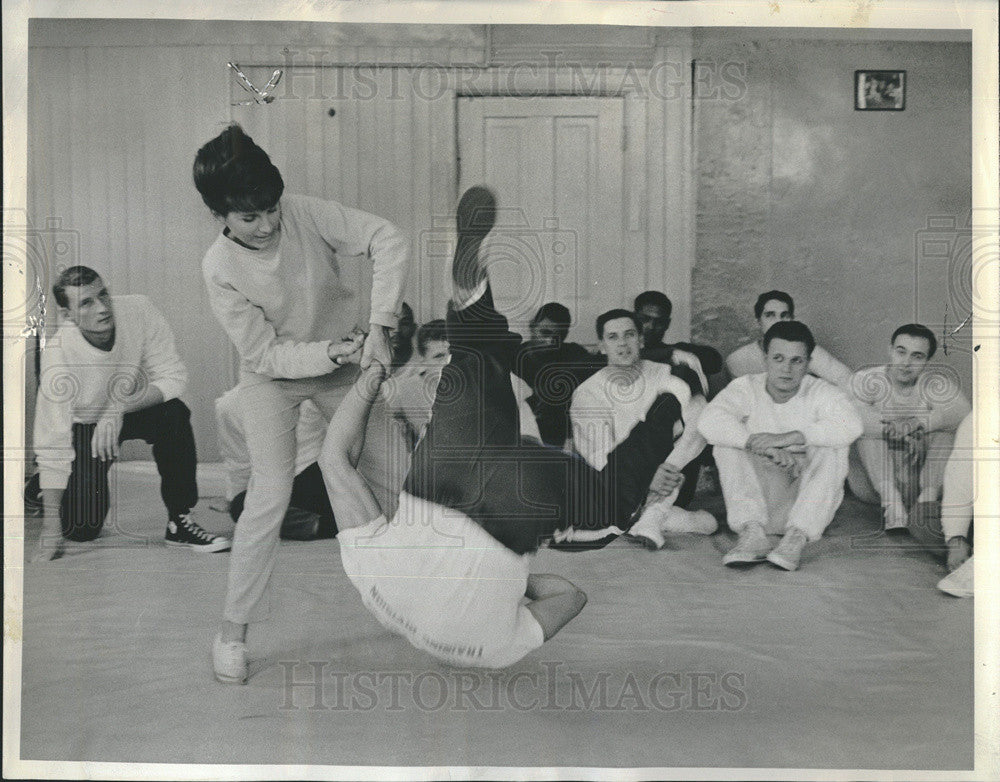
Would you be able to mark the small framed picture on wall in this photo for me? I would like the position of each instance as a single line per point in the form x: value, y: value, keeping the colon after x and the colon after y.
x: 879, y: 90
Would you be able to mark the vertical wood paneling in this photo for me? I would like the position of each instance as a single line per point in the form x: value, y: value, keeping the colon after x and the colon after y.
x: 110, y: 157
x: 114, y: 131
x: 636, y: 188
x: 677, y: 239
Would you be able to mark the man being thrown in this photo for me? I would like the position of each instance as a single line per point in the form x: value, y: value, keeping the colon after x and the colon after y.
x: 116, y: 357
x: 910, y: 413
x: 613, y: 401
x: 770, y: 308
x: 450, y: 570
x: 780, y: 441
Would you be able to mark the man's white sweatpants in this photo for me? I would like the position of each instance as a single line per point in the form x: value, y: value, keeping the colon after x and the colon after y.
x: 957, y: 500
x: 756, y: 490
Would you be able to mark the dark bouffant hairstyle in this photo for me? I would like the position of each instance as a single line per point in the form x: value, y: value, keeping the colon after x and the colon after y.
x: 235, y: 175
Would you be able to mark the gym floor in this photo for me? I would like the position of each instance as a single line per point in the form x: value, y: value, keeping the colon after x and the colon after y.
x: 854, y: 661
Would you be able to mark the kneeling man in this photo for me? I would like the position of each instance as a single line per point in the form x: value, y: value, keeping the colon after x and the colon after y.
x: 781, y: 442
x: 109, y: 374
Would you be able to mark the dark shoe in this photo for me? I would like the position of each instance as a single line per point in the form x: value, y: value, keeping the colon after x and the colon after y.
x: 185, y: 532
x: 475, y: 217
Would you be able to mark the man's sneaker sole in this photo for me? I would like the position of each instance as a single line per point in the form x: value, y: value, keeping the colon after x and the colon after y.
x: 222, y: 544
x: 743, y: 559
x: 223, y: 679
x: 780, y: 561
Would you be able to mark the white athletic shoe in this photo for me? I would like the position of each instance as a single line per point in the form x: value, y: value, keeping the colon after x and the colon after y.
x: 751, y: 546
x: 647, y: 531
x: 698, y: 522
x: 788, y: 552
x: 959, y: 581
x: 229, y: 661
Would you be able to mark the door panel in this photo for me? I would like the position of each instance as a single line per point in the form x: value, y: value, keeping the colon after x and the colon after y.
x: 556, y: 166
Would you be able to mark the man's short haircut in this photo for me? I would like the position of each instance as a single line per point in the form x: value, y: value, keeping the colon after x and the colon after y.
x: 431, y: 331
x: 764, y: 298
x: 233, y: 174
x: 656, y: 298
x: 917, y: 330
x: 557, y: 313
x: 74, y: 276
x: 790, y: 331
x: 615, y: 315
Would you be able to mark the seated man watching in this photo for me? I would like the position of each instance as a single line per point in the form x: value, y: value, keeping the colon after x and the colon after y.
x: 610, y: 403
x: 653, y: 310
x: 770, y: 308
x: 780, y: 441
x: 110, y: 373
x: 910, y: 413
x: 413, y: 386
x: 553, y: 369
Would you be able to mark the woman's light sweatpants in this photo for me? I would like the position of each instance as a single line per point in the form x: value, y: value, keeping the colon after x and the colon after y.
x: 756, y: 490
x: 271, y: 411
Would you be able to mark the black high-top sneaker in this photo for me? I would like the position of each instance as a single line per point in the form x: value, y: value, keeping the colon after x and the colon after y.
x: 183, y: 531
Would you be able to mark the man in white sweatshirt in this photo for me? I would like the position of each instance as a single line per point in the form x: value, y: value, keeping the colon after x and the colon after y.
x: 110, y: 373
x: 771, y: 307
x: 910, y: 411
x: 781, y: 441
x: 280, y: 283
x: 609, y: 404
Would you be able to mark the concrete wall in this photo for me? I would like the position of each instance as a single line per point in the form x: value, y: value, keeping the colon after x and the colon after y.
x: 798, y: 191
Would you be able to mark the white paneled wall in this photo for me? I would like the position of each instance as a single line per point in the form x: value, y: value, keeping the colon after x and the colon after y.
x: 117, y: 111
